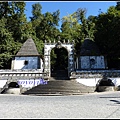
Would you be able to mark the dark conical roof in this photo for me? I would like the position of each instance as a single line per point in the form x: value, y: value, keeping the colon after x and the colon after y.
x: 28, y: 49
x: 89, y: 47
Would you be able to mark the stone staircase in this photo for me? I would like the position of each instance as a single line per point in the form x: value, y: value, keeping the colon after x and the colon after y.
x: 60, y: 87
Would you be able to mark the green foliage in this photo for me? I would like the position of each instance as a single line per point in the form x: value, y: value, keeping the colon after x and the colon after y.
x: 61, y: 56
x: 8, y: 47
x: 11, y: 20
x: 53, y: 58
x: 15, y: 30
x: 76, y: 27
x: 36, y: 11
x: 44, y: 26
x: 107, y: 34
x: 118, y: 6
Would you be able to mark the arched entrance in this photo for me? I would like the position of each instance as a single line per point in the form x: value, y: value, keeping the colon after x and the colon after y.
x: 59, y: 63
x: 13, y: 85
x: 61, y: 46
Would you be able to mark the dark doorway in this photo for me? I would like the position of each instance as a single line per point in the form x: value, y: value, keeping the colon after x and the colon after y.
x: 13, y: 85
x: 59, y: 63
x: 10, y: 85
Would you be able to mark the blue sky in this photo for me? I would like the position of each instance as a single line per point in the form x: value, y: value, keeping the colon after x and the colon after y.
x: 69, y: 7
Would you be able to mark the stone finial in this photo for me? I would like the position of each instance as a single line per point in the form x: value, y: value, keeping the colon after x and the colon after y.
x: 45, y: 41
x: 64, y: 41
x: 68, y: 41
x: 87, y: 37
x: 58, y: 45
x: 54, y: 40
x: 29, y: 37
x: 58, y: 38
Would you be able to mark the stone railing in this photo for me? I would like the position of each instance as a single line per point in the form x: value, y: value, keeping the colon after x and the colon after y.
x: 94, y: 74
x: 17, y: 74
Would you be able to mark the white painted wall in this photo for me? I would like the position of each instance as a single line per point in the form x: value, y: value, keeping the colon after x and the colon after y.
x: 26, y: 83
x: 88, y: 81
x: 2, y: 83
x: 32, y: 63
x: 94, y: 81
x: 116, y: 81
x: 29, y: 83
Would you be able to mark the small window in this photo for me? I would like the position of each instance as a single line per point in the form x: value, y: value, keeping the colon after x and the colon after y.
x: 92, y: 61
x: 25, y: 62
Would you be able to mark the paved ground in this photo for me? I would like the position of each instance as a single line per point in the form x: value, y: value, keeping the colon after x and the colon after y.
x: 100, y: 105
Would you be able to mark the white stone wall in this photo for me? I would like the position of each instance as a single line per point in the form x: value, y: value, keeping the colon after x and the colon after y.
x: 85, y: 81
x: 88, y: 81
x: 94, y: 81
x: 33, y: 63
x: 31, y: 82
x: 2, y: 83
x: 26, y: 83
x: 25, y: 77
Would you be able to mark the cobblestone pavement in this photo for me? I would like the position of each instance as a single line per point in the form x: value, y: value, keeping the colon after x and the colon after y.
x: 93, y: 105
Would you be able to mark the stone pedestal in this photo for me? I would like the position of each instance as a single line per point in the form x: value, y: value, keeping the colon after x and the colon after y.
x: 13, y: 91
x: 105, y: 88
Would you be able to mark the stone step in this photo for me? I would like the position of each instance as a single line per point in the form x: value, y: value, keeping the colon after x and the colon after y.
x: 57, y: 91
x: 56, y: 94
x: 61, y: 87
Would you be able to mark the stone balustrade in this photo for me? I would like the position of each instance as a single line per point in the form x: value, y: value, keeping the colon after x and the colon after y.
x: 95, y: 73
x: 17, y: 74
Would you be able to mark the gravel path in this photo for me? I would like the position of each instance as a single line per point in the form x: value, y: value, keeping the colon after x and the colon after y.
x: 93, y: 105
